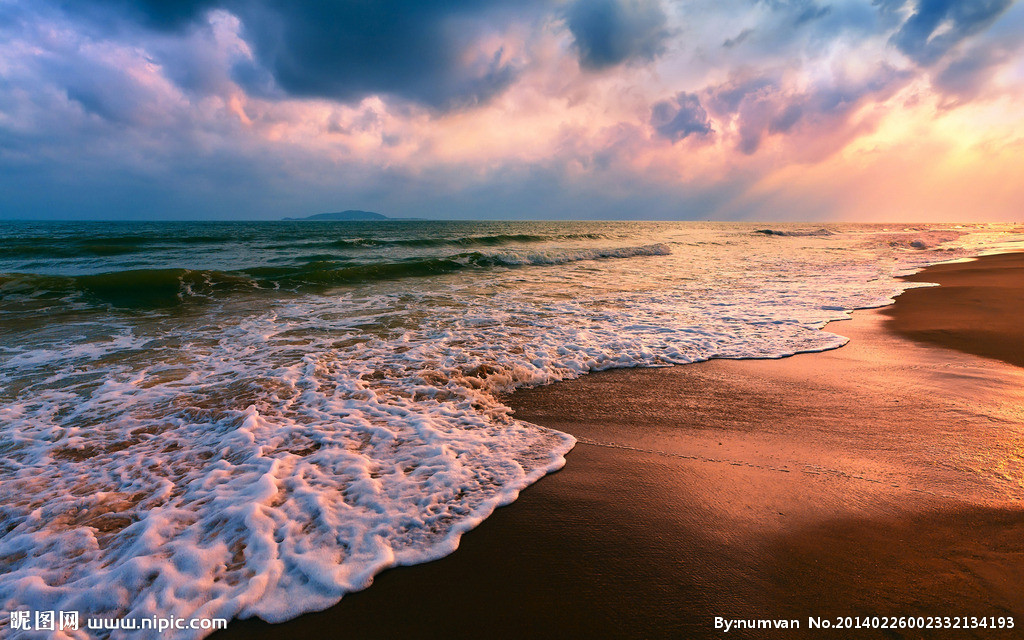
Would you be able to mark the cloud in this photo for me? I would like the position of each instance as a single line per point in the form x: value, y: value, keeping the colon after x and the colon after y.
x: 812, y: 12
x: 419, y: 51
x: 936, y: 26
x: 967, y: 76
x: 347, y: 51
x: 679, y: 117
x: 974, y: 71
x: 738, y: 39
x: 759, y: 105
x: 782, y: 29
x: 610, y: 32
x: 220, y: 108
x: 157, y: 14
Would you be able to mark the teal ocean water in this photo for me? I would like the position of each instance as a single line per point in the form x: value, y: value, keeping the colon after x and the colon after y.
x: 236, y: 419
x: 137, y: 265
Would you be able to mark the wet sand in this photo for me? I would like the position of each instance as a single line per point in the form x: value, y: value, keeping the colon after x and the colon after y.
x: 980, y: 309
x: 880, y: 479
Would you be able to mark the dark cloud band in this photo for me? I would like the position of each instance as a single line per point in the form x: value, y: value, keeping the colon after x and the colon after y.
x: 348, y: 50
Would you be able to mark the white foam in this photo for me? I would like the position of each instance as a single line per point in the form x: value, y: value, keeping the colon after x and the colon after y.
x: 563, y: 256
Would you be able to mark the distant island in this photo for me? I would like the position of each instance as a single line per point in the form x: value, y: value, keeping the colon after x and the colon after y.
x: 350, y: 214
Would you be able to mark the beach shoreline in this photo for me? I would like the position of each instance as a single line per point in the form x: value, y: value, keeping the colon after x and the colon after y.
x: 978, y: 311
x: 879, y: 479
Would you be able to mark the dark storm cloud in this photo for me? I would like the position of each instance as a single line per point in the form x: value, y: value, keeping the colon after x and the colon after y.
x: 680, y: 117
x: 938, y: 25
x: 349, y: 50
x: 610, y: 32
x: 157, y: 14
x: 407, y: 48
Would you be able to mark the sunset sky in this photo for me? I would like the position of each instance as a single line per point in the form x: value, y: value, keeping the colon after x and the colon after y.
x: 639, y: 109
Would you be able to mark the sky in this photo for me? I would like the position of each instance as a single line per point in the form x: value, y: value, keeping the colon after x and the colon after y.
x: 860, y: 110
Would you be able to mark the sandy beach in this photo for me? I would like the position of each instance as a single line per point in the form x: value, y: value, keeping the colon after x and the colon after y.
x: 879, y: 479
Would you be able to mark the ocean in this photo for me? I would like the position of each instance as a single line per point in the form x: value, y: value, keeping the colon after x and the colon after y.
x: 255, y: 418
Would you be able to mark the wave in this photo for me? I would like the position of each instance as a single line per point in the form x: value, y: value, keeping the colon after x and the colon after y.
x: 571, y: 255
x: 919, y: 243
x: 34, y: 247
x: 66, y: 251
x: 133, y: 289
x: 467, y: 241
x: 797, y: 233
x: 31, y: 247
x: 158, y: 288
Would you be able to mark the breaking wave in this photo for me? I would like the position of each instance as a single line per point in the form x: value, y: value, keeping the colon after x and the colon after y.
x: 467, y: 241
x: 795, y: 233
x: 154, y: 288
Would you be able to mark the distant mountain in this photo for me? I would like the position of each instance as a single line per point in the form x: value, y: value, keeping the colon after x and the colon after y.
x: 351, y: 215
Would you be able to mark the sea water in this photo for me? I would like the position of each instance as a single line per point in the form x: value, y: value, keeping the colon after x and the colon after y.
x: 253, y: 419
